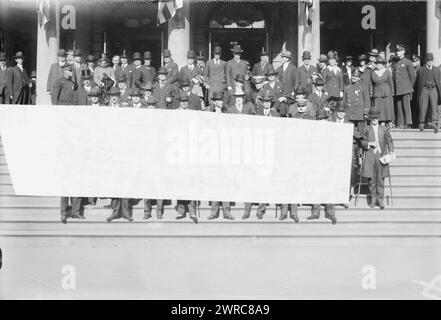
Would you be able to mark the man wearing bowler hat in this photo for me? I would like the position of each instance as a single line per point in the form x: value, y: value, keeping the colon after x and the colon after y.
x: 305, y: 72
x: 125, y: 66
x: 215, y: 73
x: 135, y: 71
x: 17, y: 82
x: 171, y: 67
x: 56, y: 70
x: 429, y: 88
x: 288, y: 76
x: 3, y: 73
x: 148, y: 71
x: 236, y: 66
x: 191, y: 71
x: 85, y: 87
x: 404, y: 79
x: 377, y: 142
x: 263, y: 67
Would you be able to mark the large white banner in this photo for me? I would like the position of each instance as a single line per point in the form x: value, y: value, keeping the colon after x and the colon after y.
x: 174, y: 154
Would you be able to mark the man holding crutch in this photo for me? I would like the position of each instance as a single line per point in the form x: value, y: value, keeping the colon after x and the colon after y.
x: 378, y: 144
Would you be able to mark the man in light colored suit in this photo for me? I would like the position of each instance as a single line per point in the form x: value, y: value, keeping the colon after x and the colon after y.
x: 215, y: 73
x: 56, y: 71
x: 3, y: 72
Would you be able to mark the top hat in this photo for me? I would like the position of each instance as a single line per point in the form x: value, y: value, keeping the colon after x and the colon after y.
x: 362, y: 57
x: 86, y: 74
x: 373, y: 113
x: 183, y: 96
x: 374, y: 52
x: 162, y: 70
x: 237, y: 49
x: 429, y: 56
x: 239, y: 77
x: 136, y: 92
x: 191, y: 54
x: 2, y: 56
x: 267, y: 96
x: 124, y: 55
x: 77, y: 53
x: 217, y: 50
x: 380, y: 59
x: 322, y: 114
x: 348, y: 58
x: 151, y: 100
x: 239, y: 92
x: 95, y: 91
x: 166, y: 53
x: 217, y: 95
x: 114, y: 91
x: 263, y: 52
x: 286, y: 54
x: 147, y: 55
x: 323, y: 58
x: 19, y: 55
x: 62, y: 53
x: 306, y: 55
x: 136, y: 56
x: 90, y: 58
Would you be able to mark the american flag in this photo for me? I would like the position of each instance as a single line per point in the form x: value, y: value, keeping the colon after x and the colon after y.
x: 43, y: 9
x: 167, y: 9
x: 307, y: 8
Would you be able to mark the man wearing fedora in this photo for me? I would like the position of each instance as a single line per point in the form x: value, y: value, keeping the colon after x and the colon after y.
x: 85, y: 87
x: 171, y: 67
x: 148, y: 71
x: 215, y: 73
x: 428, y: 81
x: 17, y: 82
x: 263, y: 67
x: 123, y: 88
x: 305, y: 72
x: 275, y: 87
x: 3, y: 73
x: 56, y: 70
x: 191, y: 71
x: 404, y: 79
x: 240, y: 106
x: 348, y: 69
x: 164, y: 92
x: 377, y: 142
x: 135, y: 71
x: 77, y: 66
x: 236, y: 66
x: 288, y: 76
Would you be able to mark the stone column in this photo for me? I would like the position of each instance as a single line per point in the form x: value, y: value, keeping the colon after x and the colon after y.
x: 179, y: 38
x: 309, y: 35
x: 433, y: 29
x: 48, y: 44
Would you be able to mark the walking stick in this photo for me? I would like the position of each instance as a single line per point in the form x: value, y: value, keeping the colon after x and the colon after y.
x: 390, y: 189
x: 361, y: 177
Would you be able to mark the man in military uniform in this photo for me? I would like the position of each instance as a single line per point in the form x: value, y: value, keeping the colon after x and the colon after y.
x: 236, y: 66
x: 148, y: 71
x: 56, y: 70
x: 172, y: 69
x: 3, y: 73
x: 404, y: 79
x: 429, y: 87
x: 378, y: 142
x: 288, y: 76
x: 305, y: 72
x: 263, y: 67
x: 164, y: 92
x: 215, y: 73
x: 84, y: 88
x: 356, y: 99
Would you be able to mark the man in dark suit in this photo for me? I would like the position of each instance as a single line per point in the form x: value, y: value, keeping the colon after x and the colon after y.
x: 236, y: 66
x: 239, y: 83
x: 378, y: 143
x: 17, y: 82
x: 305, y: 72
x: 56, y: 70
x: 240, y: 106
x: 288, y: 76
x: 189, y: 72
x: 148, y: 71
x: 135, y: 71
x: 319, y: 98
x: 77, y: 66
x: 263, y: 67
x: 164, y: 92
x: 85, y: 87
x: 172, y: 69
x: 215, y: 73
x: 274, y: 86
x: 125, y: 66
x: 404, y: 79
x: 123, y: 89
x: 428, y: 85
x: 194, y: 102
x: 3, y: 73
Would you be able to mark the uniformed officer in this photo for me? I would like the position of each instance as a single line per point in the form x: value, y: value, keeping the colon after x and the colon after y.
x: 404, y: 79
x: 356, y: 99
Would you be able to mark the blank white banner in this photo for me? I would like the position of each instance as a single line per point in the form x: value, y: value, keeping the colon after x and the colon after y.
x: 174, y: 154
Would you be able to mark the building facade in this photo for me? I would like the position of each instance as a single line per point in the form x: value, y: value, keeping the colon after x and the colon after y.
x: 111, y: 26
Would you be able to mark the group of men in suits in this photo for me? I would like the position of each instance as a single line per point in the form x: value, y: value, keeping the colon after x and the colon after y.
x: 16, y: 86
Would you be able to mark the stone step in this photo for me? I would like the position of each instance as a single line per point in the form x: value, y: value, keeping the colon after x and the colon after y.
x: 415, y: 170
x: 415, y: 134
x: 418, y: 143
x: 20, y: 202
x: 422, y: 152
x: 416, y: 160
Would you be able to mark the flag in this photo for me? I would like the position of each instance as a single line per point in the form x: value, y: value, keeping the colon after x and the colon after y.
x: 308, y: 7
x: 167, y: 9
x: 43, y: 9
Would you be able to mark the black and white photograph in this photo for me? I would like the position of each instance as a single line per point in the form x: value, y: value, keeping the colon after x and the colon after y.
x: 203, y: 152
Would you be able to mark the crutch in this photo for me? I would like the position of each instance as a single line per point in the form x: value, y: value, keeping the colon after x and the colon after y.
x: 361, y: 177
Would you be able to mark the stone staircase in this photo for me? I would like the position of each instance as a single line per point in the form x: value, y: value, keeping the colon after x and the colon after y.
x: 416, y: 178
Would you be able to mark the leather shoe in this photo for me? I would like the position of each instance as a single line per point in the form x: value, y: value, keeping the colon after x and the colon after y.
x: 245, y: 216
x: 159, y: 216
x: 63, y: 219
x: 381, y: 205
x: 76, y: 216
x: 333, y: 220
x: 179, y: 217
x: 229, y: 217
x: 295, y: 218
x: 82, y: 217
x: 283, y: 217
x: 259, y: 216
x: 312, y: 217
x: 212, y: 216
x: 147, y: 216
x: 421, y: 126
x: 109, y: 219
x: 194, y: 218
